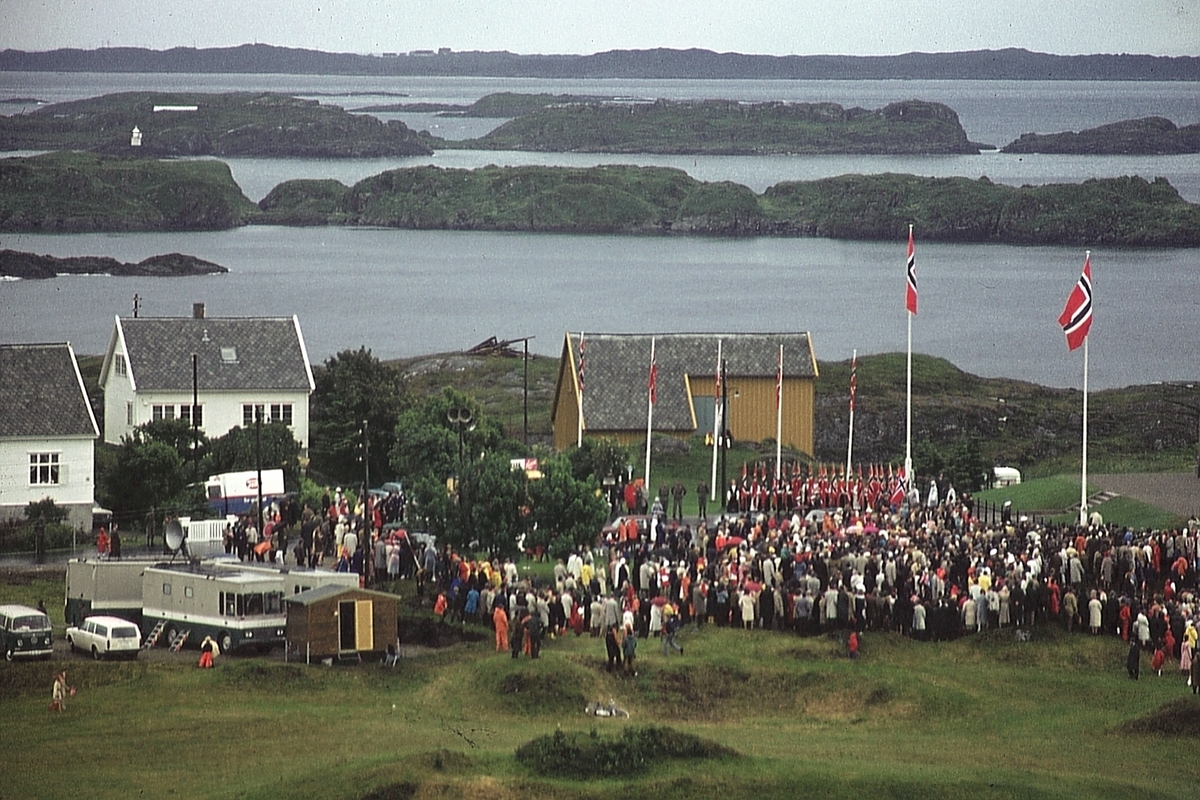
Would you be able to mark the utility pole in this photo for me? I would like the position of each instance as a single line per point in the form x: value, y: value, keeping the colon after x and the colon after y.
x: 258, y: 412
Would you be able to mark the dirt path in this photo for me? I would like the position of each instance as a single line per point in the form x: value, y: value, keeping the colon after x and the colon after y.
x: 1177, y: 492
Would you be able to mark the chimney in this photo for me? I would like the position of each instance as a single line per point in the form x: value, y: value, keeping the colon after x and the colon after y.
x: 197, y: 310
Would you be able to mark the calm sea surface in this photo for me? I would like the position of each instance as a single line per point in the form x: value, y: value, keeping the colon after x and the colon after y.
x: 990, y: 309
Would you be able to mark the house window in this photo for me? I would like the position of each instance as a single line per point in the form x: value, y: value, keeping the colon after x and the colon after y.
x: 281, y: 412
x: 43, y: 469
x: 248, y: 414
x: 186, y: 413
x: 119, y: 365
x: 158, y: 412
x: 167, y: 589
x: 129, y: 416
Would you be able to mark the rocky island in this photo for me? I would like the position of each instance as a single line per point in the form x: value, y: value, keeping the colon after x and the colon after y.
x: 70, y: 192
x: 1149, y: 136
x: 195, y: 124
x: 724, y: 127
x: 659, y: 200
x: 30, y: 266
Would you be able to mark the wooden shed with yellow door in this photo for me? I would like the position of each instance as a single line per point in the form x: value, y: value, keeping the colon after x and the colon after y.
x: 340, y: 621
x: 611, y: 372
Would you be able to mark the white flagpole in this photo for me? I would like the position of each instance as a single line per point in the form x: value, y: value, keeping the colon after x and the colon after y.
x: 1083, y: 480
x: 579, y: 436
x: 718, y: 428
x: 908, y: 426
x: 850, y: 437
x: 779, y: 418
x: 649, y: 415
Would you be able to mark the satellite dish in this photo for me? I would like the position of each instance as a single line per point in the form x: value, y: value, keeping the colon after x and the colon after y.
x: 175, y: 536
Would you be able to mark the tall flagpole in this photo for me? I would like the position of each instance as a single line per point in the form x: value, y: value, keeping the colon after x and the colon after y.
x: 779, y: 418
x: 853, y: 391
x: 650, y: 411
x: 911, y: 305
x: 1076, y: 321
x: 718, y: 428
x: 579, y: 436
x: 1083, y: 493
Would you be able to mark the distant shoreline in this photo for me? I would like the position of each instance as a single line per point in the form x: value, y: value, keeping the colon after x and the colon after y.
x: 1010, y: 64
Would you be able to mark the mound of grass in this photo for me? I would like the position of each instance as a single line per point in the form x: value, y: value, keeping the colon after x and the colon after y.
x: 633, y: 750
x: 1179, y: 717
x: 35, y: 678
x: 544, y: 687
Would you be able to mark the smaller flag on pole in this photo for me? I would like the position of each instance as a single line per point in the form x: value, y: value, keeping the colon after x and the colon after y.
x: 582, y: 363
x: 910, y: 295
x: 853, y: 380
x: 653, y: 375
x: 779, y: 379
x: 1076, y: 318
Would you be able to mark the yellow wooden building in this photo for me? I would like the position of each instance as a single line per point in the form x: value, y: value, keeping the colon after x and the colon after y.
x: 615, y: 386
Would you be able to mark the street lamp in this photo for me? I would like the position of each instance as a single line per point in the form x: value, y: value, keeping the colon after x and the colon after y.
x: 461, y: 419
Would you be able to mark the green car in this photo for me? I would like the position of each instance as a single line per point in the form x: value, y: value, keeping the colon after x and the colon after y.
x: 24, y: 633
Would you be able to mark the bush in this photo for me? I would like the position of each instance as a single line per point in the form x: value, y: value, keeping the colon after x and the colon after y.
x: 21, y: 537
x: 47, y: 510
x: 633, y: 750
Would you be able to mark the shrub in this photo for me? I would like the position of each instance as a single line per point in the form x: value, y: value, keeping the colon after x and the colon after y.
x: 633, y: 750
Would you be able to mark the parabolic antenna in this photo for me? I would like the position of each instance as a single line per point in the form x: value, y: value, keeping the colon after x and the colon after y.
x: 174, y: 534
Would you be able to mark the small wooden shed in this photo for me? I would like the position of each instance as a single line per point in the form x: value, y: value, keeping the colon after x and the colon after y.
x: 337, y: 621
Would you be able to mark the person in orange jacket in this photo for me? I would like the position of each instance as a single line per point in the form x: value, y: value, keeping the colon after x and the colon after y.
x: 500, y: 622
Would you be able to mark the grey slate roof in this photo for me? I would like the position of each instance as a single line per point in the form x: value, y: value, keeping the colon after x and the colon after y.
x: 310, y: 596
x: 269, y: 351
x: 41, y: 393
x: 617, y: 372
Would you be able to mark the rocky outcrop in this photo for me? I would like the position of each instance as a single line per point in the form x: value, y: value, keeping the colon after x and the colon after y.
x: 30, y: 266
x: 1149, y: 136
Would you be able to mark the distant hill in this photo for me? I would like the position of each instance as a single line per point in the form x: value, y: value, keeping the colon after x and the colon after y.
x: 1007, y: 64
x: 1148, y: 136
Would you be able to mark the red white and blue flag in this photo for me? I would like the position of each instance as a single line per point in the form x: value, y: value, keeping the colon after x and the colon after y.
x: 653, y: 375
x: 1076, y: 318
x: 853, y: 381
x: 910, y: 294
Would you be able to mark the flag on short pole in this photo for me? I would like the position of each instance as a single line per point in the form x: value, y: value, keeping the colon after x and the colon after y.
x: 779, y: 379
x: 1076, y: 318
x: 910, y: 294
x: 853, y: 380
x: 653, y: 376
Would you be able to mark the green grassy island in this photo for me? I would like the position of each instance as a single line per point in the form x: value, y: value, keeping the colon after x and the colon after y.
x: 638, y: 200
x: 720, y: 127
x: 224, y: 125
x: 1150, y: 136
x: 69, y: 192
x: 76, y: 192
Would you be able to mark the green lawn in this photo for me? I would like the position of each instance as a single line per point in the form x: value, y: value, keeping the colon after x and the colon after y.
x: 980, y: 717
x: 1040, y: 494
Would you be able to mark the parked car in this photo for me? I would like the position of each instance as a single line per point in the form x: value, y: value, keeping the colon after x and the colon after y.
x: 106, y: 637
x: 24, y: 633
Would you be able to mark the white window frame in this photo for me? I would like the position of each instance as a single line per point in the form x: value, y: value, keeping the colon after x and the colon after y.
x: 45, y: 469
x: 130, y: 417
x: 119, y: 365
x: 282, y: 412
x: 185, y: 413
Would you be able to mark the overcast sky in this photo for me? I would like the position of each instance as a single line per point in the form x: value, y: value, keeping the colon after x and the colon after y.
x: 857, y: 27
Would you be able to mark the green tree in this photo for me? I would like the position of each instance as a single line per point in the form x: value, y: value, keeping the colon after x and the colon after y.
x: 927, y: 461
x: 237, y: 450
x: 495, y: 500
x: 178, y: 434
x: 598, y: 458
x: 568, y: 511
x: 45, y: 509
x: 965, y: 467
x: 148, y: 472
x: 352, y: 387
x: 427, y: 441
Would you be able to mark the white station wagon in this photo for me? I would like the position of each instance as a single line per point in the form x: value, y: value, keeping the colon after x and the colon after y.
x: 106, y: 637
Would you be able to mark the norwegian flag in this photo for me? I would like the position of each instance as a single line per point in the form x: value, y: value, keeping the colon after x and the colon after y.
x: 1076, y: 318
x: 582, y: 363
x: 653, y: 375
x: 779, y: 380
x: 853, y: 381
x: 910, y: 294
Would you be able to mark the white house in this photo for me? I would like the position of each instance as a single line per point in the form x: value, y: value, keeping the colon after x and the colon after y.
x: 241, y: 364
x: 47, y: 432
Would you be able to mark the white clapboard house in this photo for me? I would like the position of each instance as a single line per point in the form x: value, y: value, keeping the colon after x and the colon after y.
x: 47, y: 432
x: 241, y: 364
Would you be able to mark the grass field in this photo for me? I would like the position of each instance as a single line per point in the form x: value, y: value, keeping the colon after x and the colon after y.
x: 983, y: 717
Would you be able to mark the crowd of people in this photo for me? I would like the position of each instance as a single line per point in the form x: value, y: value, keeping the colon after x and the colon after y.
x: 883, y: 557
x: 920, y: 564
